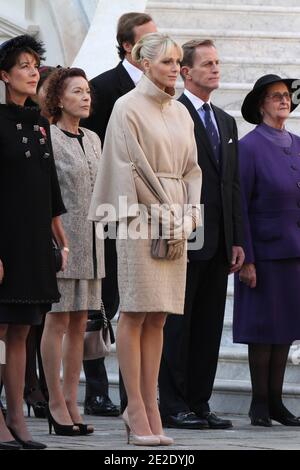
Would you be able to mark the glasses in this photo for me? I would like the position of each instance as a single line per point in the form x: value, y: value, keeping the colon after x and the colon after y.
x: 278, y: 97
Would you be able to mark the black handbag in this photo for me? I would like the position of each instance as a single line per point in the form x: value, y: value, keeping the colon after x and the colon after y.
x: 58, y: 259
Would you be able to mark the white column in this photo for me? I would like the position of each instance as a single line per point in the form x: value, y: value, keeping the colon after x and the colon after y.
x: 15, y: 9
x: 98, y: 52
x: 71, y: 26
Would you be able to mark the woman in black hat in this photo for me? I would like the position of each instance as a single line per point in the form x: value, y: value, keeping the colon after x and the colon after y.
x: 267, y: 293
x: 30, y: 206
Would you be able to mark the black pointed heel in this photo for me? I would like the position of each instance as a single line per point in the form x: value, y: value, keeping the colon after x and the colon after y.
x: 10, y: 445
x: 32, y: 445
x: 61, y: 429
x: 39, y: 407
x: 261, y: 421
x: 84, y: 429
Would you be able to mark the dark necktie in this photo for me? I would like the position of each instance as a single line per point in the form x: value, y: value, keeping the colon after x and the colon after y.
x: 212, y: 132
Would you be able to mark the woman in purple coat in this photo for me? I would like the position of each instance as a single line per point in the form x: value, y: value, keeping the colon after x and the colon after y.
x: 267, y: 289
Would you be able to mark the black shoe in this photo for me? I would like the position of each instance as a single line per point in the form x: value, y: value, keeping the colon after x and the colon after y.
x: 39, y: 406
x: 261, y: 421
x: 287, y: 420
x: 100, y: 406
x: 184, y: 420
x: 32, y: 445
x: 61, y: 429
x: 84, y: 429
x: 10, y: 445
x: 279, y: 413
x: 259, y: 414
x: 214, y: 422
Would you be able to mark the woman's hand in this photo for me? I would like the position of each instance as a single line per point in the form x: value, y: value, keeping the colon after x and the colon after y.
x: 175, y: 249
x: 247, y: 275
x: 65, y: 254
x: 1, y: 272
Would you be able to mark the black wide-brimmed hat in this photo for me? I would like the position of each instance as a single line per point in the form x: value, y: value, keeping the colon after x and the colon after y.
x: 19, y: 43
x: 250, y: 106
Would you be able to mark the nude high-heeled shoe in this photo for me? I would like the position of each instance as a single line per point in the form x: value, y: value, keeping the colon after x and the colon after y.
x: 139, y: 440
x: 165, y: 440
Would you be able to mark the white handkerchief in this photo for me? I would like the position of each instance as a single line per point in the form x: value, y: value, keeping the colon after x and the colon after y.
x: 230, y: 141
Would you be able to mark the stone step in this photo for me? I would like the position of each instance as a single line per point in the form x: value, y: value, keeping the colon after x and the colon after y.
x: 249, y: 70
x: 256, y: 45
x: 292, y: 124
x: 223, y: 16
x: 239, y: 74
x: 228, y: 96
x: 287, y: 3
x: 233, y: 360
x: 229, y: 396
x: 231, y: 95
x: 234, y: 397
x: 233, y: 364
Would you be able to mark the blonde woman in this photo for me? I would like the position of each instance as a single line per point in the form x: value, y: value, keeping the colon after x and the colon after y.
x: 150, y: 158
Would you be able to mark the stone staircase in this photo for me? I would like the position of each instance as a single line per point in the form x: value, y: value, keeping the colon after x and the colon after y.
x: 253, y: 37
x: 232, y: 386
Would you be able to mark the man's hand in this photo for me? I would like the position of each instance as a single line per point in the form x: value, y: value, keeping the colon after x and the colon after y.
x: 247, y: 275
x: 1, y: 272
x: 237, y: 260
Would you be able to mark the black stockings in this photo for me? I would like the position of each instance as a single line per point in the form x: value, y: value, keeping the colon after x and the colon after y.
x: 267, y: 364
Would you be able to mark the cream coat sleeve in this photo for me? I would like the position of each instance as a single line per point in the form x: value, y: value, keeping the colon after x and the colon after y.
x: 114, y: 177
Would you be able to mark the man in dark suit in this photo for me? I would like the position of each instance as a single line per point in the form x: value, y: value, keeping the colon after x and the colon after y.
x: 187, y: 372
x: 107, y: 88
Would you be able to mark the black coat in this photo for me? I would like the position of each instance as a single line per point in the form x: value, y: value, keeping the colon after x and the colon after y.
x: 107, y: 88
x: 220, y: 190
x: 29, y: 198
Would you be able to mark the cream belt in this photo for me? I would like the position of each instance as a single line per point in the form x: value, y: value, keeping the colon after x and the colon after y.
x: 169, y: 175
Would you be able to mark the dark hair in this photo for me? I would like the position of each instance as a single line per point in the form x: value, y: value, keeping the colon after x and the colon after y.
x: 12, y: 59
x: 56, y: 88
x: 11, y: 49
x: 189, y: 50
x: 260, y: 100
x: 45, y: 73
x: 125, y: 32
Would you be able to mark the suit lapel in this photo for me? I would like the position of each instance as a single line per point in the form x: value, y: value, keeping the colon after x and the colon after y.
x: 223, y: 136
x: 200, y: 131
x: 126, y: 84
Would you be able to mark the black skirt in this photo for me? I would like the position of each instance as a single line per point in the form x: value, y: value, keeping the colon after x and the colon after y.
x: 23, y: 314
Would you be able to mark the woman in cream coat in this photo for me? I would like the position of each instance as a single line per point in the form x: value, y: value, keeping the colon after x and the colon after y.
x: 149, y: 157
x: 76, y: 151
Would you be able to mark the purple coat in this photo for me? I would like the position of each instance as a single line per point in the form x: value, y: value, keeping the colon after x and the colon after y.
x: 270, y: 185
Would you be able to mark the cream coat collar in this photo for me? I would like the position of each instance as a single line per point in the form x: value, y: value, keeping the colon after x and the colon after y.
x: 147, y: 87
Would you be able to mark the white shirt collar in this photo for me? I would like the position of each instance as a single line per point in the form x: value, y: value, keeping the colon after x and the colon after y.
x: 134, y: 73
x: 195, y: 100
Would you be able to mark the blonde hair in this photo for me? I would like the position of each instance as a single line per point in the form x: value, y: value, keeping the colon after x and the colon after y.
x: 154, y: 45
